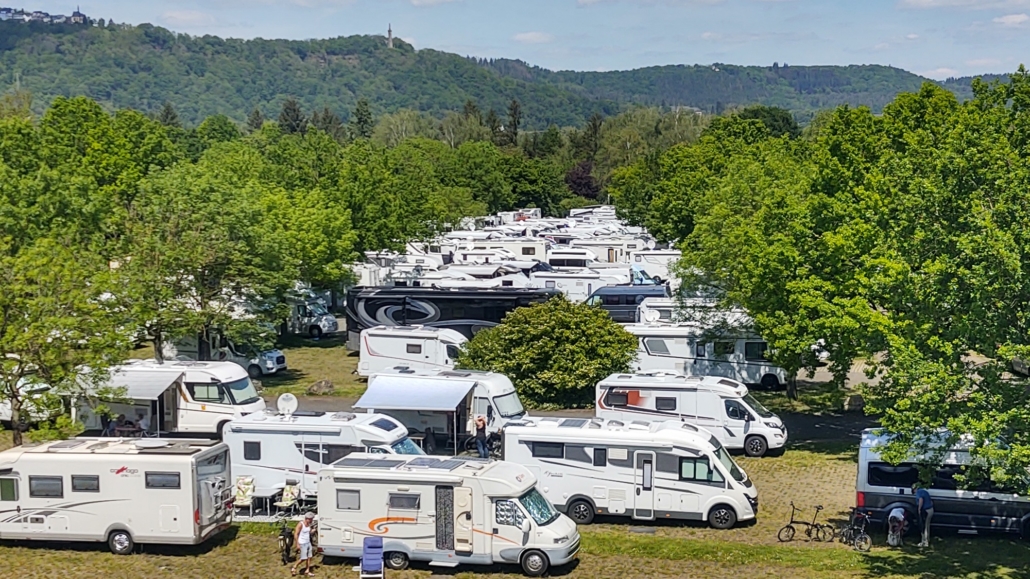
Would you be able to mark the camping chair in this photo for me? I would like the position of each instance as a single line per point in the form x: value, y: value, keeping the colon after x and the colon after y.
x: 289, y: 499
x: 372, y: 559
x: 244, y: 493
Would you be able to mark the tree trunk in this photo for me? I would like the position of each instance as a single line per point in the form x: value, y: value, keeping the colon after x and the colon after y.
x: 158, y: 342
x: 792, y: 386
x: 16, y: 420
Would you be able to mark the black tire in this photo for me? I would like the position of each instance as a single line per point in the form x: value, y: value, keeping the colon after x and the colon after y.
x: 786, y: 534
x: 755, y: 446
x: 314, y: 332
x: 120, y: 543
x: 395, y: 560
x: 863, y: 542
x: 470, y: 445
x: 770, y: 382
x: 534, y: 563
x: 824, y: 534
x: 581, y: 512
x: 254, y: 371
x: 722, y: 517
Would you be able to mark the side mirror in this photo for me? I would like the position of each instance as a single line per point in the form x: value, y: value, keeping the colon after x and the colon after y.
x: 525, y: 526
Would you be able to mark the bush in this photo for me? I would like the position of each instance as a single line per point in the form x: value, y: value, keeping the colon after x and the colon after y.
x: 60, y: 429
x: 554, y: 353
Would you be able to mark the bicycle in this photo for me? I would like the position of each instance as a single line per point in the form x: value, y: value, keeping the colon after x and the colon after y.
x: 814, y: 531
x: 853, y: 533
x: 285, y: 541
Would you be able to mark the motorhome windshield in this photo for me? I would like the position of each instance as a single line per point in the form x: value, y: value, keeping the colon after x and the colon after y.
x: 406, y: 446
x: 317, y: 309
x: 213, y: 465
x: 538, y: 507
x: 727, y: 461
x: 757, y: 406
x: 242, y: 391
x: 509, y: 405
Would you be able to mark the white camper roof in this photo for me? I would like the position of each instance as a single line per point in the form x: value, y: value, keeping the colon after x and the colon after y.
x: 500, y: 478
x: 195, y: 371
x: 417, y: 332
x: 672, y: 381
x: 376, y: 425
x: 109, y: 446
x: 401, y: 392
x: 495, y: 383
x: 658, y: 434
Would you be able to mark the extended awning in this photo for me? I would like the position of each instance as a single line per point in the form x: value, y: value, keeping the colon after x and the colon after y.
x: 136, y: 385
x: 411, y: 393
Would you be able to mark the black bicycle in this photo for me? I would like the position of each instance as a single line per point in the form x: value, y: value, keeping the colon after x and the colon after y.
x: 814, y: 531
x: 854, y: 534
x: 285, y: 541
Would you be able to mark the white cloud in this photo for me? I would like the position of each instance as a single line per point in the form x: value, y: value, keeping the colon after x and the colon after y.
x: 533, y: 37
x: 187, y: 18
x: 969, y: 4
x: 912, y: 36
x: 941, y: 73
x: 1012, y: 20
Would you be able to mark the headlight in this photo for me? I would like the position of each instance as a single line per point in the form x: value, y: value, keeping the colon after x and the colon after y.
x: 561, y: 540
x: 772, y: 425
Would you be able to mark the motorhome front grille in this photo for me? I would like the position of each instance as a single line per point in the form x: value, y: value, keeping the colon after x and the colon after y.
x: 279, y: 360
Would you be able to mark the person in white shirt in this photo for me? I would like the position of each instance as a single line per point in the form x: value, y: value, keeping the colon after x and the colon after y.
x: 143, y: 422
x: 302, y: 538
x: 896, y: 527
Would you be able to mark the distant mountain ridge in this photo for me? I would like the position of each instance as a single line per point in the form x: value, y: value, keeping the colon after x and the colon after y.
x: 144, y: 66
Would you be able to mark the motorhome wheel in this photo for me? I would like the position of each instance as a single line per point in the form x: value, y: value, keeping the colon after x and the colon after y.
x: 770, y: 382
x: 581, y: 512
x: 534, y: 563
x: 120, y: 542
x: 315, y: 332
x: 254, y: 371
x: 722, y: 517
x: 755, y: 446
x: 396, y: 560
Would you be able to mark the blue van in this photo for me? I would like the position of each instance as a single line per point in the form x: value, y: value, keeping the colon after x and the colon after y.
x: 621, y: 301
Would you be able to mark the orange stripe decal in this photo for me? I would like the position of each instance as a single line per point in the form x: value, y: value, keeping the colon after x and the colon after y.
x: 379, y: 526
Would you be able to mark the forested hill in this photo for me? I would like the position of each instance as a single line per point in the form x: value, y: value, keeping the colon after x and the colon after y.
x: 142, y: 67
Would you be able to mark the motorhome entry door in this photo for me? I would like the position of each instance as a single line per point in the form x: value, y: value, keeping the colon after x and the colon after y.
x: 445, y: 518
x: 462, y: 520
x: 643, y: 501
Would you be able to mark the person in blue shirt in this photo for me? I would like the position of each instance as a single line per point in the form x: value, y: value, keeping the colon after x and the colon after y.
x: 924, y: 504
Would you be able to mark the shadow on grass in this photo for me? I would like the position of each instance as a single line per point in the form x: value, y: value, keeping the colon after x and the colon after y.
x: 497, y: 569
x: 220, y: 540
x: 288, y: 342
x: 952, y: 556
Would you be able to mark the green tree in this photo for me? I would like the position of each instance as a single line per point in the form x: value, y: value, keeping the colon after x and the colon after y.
x: 217, y: 129
x: 255, y: 120
x: 168, y: 117
x: 54, y: 321
x: 479, y: 166
x: 16, y: 104
x: 514, y: 122
x: 779, y: 121
x: 291, y: 119
x: 330, y: 123
x: 362, y: 124
x: 395, y: 128
x: 493, y: 123
x: 553, y: 352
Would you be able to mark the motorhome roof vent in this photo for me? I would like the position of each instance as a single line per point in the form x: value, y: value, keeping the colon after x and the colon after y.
x: 728, y: 383
x: 595, y: 424
x: 151, y: 443
x: 99, y: 445
x: 344, y: 416
x: 615, y: 424
x: 625, y: 377
x: 456, y: 374
x: 573, y: 423
x: 66, y: 445
x: 689, y: 427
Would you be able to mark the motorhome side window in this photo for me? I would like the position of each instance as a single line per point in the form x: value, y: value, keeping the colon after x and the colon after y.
x: 701, y: 350
x: 405, y: 501
x: 724, y: 348
x: 666, y: 403
x: 506, y: 513
x: 611, y: 300
x: 735, y: 411
x: 414, y: 348
x: 656, y: 347
x: 699, y: 470
x: 600, y: 457
x: 348, y: 500
x: 453, y: 352
x: 211, y: 392
x: 528, y: 251
x: 548, y: 450
x: 882, y: 474
x: 614, y: 398
x: 162, y: 480
x: 85, y: 483
x: 251, y: 451
x: 755, y: 350
x: 549, y: 284
x: 8, y: 489
x: 334, y: 452
x: 46, y: 487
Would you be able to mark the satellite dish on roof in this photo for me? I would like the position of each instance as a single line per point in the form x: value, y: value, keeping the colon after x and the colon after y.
x: 151, y: 443
x: 652, y: 316
x: 287, y: 404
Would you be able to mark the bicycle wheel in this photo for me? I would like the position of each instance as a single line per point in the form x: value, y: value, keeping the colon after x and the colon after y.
x: 823, y: 533
x: 863, y: 542
x: 846, y: 534
x: 831, y: 532
x: 786, y: 534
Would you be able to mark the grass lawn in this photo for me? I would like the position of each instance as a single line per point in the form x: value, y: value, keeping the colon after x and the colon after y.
x: 309, y: 361
x: 609, y: 550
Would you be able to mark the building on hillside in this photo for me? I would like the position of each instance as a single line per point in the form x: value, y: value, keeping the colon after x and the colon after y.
x: 78, y: 17
x: 6, y: 13
x: 389, y: 35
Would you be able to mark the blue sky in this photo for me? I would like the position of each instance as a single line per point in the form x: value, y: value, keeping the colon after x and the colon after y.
x: 936, y: 38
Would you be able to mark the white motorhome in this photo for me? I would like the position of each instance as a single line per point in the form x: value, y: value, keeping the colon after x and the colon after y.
x: 194, y: 397
x: 644, y: 471
x: 310, y: 317
x: 987, y: 506
x: 579, y: 284
x: 442, y: 511
x: 690, y: 349
x: 657, y: 263
x: 441, y: 402
x: 221, y: 348
x: 290, y: 448
x: 720, y: 405
x: 417, y: 347
x: 611, y: 249
x: 122, y: 492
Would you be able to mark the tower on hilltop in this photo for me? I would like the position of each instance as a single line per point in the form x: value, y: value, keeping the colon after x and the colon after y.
x: 389, y: 36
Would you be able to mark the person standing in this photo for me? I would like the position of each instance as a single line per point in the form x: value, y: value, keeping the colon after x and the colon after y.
x: 481, y: 446
x: 302, y: 539
x: 924, y: 504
